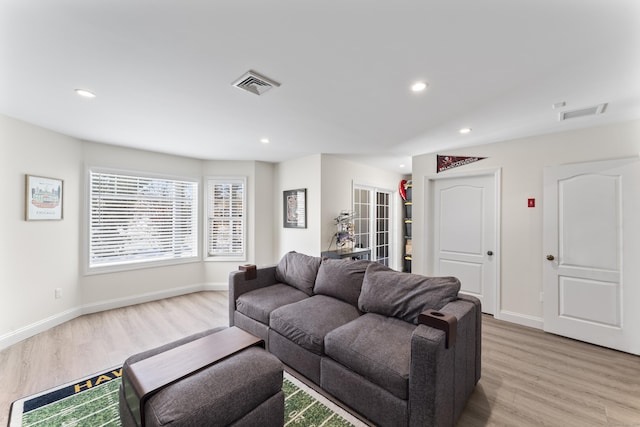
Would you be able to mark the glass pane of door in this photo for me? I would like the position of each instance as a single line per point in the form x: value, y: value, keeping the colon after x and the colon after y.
x: 383, y: 227
x: 362, y: 220
x: 372, y: 222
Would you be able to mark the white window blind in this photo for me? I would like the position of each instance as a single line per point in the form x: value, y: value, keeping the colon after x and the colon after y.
x: 226, y: 218
x: 138, y: 219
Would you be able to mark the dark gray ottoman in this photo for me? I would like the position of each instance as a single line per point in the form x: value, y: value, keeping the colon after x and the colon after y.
x: 244, y: 389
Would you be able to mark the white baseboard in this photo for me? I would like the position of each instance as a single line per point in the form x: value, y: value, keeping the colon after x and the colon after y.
x: 25, y: 332
x: 216, y: 287
x: 521, y: 319
x: 139, y: 299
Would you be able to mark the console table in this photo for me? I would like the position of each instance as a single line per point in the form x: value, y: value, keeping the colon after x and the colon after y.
x: 353, y: 253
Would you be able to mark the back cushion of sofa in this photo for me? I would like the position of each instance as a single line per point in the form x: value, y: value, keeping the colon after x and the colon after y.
x: 298, y: 270
x: 341, y: 278
x: 404, y: 295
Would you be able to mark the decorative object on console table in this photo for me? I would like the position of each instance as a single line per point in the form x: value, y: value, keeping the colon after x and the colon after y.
x: 43, y: 198
x: 344, y: 229
x: 407, y: 195
x: 294, y: 209
x: 353, y: 253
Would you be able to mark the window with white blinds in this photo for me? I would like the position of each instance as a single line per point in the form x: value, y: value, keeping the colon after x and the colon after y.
x: 226, y: 218
x: 139, y: 220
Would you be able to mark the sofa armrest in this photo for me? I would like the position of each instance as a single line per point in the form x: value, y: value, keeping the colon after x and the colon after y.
x: 442, y: 378
x: 431, y: 378
x: 240, y: 284
x: 448, y: 323
x: 475, y: 301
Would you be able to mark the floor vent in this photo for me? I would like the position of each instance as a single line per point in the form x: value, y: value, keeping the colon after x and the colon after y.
x: 254, y: 83
x: 583, y: 112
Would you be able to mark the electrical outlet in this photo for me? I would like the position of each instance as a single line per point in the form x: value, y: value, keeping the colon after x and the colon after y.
x: 541, y: 296
x: 58, y: 293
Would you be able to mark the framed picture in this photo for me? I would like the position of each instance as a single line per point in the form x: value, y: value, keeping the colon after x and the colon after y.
x: 294, y: 208
x: 43, y: 198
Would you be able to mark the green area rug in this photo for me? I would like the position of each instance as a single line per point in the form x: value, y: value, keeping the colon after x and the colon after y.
x: 93, y: 402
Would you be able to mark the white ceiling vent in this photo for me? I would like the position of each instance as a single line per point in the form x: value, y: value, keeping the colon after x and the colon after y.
x: 254, y: 83
x: 583, y: 112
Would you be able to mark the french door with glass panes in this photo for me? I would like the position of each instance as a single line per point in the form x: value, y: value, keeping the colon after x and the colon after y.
x: 372, y: 222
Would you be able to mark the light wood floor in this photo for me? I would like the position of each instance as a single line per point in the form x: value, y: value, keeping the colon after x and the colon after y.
x: 529, y: 378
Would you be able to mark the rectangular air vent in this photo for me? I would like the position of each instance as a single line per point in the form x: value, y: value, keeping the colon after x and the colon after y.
x: 583, y: 112
x: 254, y: 83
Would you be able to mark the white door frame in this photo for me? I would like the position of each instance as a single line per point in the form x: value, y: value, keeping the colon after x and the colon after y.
x: 394, y: 257
x: 429, y: 226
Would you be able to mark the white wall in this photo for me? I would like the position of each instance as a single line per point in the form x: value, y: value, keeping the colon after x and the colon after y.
x: 264, y: 211
x: 291, y: 175
x: 522, y: 162
x: 39, y: 256
x: 36, y: 257
x: 338, y: 178
x: 329, y: 182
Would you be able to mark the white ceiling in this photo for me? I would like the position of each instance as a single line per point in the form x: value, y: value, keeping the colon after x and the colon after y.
x: 162, y: 71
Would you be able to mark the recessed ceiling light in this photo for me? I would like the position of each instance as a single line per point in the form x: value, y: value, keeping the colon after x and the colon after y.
x: 419, y: 86
x: 465, y: 130
x: 402, y: 165
x: 264, y: 140
x: 85, y: 93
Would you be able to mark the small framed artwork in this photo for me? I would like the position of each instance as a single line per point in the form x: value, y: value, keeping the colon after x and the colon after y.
x: 294, y: 208
x: 43, y: 198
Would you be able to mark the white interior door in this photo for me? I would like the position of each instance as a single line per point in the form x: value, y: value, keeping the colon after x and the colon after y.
x: 464, y: 234
x: 591, y: 264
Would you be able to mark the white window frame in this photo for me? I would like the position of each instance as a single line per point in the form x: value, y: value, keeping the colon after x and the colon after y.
x: 227, y: 180
x: 141, y: 262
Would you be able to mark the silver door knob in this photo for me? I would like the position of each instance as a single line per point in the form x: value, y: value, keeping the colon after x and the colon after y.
x: 550, y: 257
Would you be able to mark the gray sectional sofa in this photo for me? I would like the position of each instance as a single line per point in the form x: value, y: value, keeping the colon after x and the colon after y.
x: 355, y: 329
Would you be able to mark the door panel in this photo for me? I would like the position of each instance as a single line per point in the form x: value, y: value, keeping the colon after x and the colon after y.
x: 464, y: 233
x: 461, y: 210
x: 590, y: 300
x: 593, y: 203
x: 591, y: 242
x: 469, y: 273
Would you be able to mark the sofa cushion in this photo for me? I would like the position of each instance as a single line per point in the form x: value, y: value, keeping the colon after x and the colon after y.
x: 341, y: 278
x: 404, y: 295
x: 375, y: 347
x: 307, y: 322
x: 299, y: 271
x: 259, y: 303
